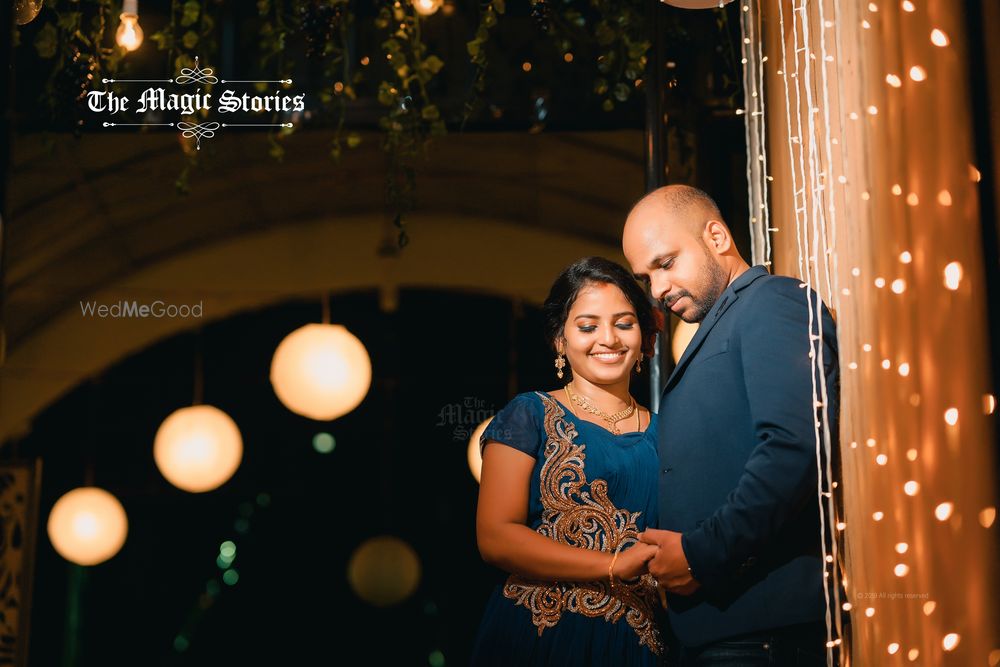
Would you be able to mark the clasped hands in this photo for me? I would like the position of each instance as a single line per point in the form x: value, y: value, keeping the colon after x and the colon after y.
x: 659, y: 552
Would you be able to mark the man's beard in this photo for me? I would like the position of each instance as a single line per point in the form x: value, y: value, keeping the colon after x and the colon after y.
x: 711, y: 284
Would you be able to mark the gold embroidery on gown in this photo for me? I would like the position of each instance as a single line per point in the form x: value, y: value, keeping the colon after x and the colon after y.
x: 586, y: 519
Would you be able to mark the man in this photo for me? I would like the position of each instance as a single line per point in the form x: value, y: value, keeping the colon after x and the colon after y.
x: 740, y: 550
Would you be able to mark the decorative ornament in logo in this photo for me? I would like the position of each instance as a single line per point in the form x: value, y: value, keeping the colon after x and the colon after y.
x: 157, y: 99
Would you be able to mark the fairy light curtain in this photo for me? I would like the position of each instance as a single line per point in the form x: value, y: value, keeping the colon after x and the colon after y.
x: 859, y: 138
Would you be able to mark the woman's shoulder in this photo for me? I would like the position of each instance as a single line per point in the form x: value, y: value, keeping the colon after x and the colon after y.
x: 523, y: 407
x: 518, y: 424
x: 534, y: 403
x: 527, y: 398
x: 535, y: 397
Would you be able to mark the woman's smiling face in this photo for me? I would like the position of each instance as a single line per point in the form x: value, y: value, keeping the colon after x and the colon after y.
x: 602, y: 339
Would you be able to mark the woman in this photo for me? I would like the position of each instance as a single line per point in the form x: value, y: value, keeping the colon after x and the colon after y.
x: 569, y: 479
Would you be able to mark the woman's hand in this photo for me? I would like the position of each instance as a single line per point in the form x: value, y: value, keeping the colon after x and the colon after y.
x: 504, y: 538
x: 632, y: 562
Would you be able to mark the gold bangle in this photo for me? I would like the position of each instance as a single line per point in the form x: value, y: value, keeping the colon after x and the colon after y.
x: 611, y: 569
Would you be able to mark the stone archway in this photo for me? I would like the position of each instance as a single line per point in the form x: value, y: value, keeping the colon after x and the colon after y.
x: 254, y: 270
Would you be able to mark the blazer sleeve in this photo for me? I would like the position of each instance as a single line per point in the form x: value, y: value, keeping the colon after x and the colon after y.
x: 780, y: 474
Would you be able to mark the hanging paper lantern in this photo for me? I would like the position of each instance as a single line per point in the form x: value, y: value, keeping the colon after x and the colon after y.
x: 25, y: 11
x: 681, y: 336
x: 321, y: 371
x: 87, y: 526
x: 384, y: 571
x: 697, y: 4
x: 474, y: 454
x: 198, y: 448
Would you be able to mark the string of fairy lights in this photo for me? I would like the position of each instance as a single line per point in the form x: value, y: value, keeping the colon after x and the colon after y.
x: 756, y: 133
x: 943, y: 511
x: 811, y: 243
x: 824, y: 78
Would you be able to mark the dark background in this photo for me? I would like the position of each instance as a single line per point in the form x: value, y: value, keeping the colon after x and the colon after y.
x: 393, y: 470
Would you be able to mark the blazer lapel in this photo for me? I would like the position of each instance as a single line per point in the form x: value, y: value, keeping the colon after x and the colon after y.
x: 727, y: 299
x: 699, y: 337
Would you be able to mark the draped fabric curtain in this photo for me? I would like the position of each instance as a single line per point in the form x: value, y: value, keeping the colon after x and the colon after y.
x: 860, y: 138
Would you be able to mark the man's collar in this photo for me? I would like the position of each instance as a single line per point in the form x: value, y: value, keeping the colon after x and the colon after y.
x: 747, y: 277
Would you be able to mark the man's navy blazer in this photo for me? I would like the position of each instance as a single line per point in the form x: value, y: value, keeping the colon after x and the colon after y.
x: 738, y: 431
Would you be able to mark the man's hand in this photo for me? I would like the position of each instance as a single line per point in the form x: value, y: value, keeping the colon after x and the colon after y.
x: 669, y: 566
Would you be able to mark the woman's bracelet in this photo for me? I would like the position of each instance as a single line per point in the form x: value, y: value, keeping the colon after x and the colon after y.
x: 611, y: 569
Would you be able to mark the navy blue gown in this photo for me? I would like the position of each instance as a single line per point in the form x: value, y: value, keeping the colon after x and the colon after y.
x: 590, y: 489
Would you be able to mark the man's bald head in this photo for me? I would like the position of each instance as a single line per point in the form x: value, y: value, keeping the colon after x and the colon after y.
x: 677, y: 204
x: 676, y: 241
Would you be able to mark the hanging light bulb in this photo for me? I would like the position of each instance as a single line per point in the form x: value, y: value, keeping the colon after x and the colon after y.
x: 87, y: 526
x: 321, y: 371
x: 198, y: 448
x: 427, y: 7
x: 129, y: 34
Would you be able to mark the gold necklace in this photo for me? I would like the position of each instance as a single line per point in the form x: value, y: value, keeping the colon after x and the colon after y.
x: 611, y: 419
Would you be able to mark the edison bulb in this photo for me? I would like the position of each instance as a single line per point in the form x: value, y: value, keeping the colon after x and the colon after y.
x: 129, y: 35
x: 426, y: 7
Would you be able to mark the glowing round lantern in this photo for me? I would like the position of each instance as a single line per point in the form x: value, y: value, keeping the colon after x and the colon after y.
x: 321, y: 371
x: 474, y: 454
x: 87, y: 526
x: 198, y: 448
x: 682, y: 335
x: 384, y: 571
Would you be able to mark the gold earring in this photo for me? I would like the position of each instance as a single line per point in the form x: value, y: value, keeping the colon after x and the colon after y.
x: 560, y: 365
x: 638, y: 364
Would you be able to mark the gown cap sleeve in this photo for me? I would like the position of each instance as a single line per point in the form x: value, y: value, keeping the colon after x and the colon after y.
x: 517, y: 425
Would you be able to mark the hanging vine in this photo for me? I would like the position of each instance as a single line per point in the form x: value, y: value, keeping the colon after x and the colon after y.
x: 77, y: 38
x: 188, y: 37
x: 476, y: 48
x: 410, y: 118
x: 615, y: 28
x: 327, y: 29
